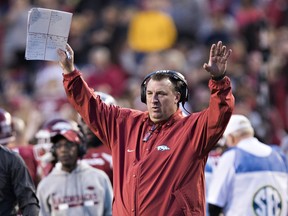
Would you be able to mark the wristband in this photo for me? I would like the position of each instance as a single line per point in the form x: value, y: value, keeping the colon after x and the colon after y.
x: 218, y: 78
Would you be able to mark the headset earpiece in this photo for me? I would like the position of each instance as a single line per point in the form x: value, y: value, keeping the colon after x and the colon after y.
x: 53, y: 151
x: 81, y: 151
x: 173, y: 74
x: 82, y: 147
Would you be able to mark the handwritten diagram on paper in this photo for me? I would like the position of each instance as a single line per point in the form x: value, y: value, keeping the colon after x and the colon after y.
x: 47, y: 31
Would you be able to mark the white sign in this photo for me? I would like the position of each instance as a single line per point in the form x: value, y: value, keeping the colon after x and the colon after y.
x: 47, y: 31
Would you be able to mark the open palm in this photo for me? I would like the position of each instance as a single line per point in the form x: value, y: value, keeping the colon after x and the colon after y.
x: 217, y: 60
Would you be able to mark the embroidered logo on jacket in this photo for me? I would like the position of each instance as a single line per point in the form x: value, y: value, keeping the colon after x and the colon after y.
x: 268, y: 201
x: 163, y: 148
x: 61, y: 202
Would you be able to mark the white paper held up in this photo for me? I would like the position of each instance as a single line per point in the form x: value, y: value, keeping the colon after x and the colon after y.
x: 47, y: 30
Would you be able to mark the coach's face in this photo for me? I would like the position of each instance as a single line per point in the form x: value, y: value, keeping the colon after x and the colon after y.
x: 161, y: 99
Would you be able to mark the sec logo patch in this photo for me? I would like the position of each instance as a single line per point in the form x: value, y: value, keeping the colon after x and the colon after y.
x: 267, y: 201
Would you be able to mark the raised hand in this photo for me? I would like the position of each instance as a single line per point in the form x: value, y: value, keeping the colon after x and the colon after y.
x: 217, y: 60
x: 66, y: 59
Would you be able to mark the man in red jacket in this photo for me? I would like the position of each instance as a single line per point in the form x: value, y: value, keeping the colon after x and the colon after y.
x: 159, y: 156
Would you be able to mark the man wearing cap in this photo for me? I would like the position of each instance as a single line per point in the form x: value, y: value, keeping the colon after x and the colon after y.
x: 73, y: 187
x: 250, y: 178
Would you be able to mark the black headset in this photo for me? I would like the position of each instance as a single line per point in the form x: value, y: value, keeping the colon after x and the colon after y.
x: 172, y: 74
x: 81, y: 146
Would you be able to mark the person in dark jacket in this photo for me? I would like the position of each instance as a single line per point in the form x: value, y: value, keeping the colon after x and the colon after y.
x: 158, y: 156
x: 17, y: 190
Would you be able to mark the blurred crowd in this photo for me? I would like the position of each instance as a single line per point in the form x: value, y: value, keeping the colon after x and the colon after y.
x: 118, y: 42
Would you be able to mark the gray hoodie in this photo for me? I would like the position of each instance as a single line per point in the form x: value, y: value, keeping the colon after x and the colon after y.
x: 86, y: 191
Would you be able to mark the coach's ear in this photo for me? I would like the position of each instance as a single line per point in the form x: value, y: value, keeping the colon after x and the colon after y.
x: 177, y: 97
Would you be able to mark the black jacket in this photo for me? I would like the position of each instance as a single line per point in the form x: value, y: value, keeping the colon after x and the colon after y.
x: 16, y: 186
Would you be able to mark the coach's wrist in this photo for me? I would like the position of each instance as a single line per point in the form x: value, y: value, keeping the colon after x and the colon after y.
x: 218, y: 78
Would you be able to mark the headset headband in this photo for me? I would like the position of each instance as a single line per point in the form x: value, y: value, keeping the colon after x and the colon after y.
x: 173, y: 74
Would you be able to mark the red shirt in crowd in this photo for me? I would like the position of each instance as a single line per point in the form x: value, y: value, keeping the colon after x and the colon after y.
x: 100, y: 157
x: 27, y: 154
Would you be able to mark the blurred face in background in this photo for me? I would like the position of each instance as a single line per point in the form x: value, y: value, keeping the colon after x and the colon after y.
x: 67, y: 154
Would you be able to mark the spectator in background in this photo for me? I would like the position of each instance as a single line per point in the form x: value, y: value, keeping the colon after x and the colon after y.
x: 16, y: 185
x: 151, y: 29
x: 249, y: 20
x: 102, y: 74
x: 250, y: 178
x: 50, y: 96
x: 73, y: 187
x: 23, y: 148
x: 183, y: 13
x: 15, y: 24
x: 278, y: 83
